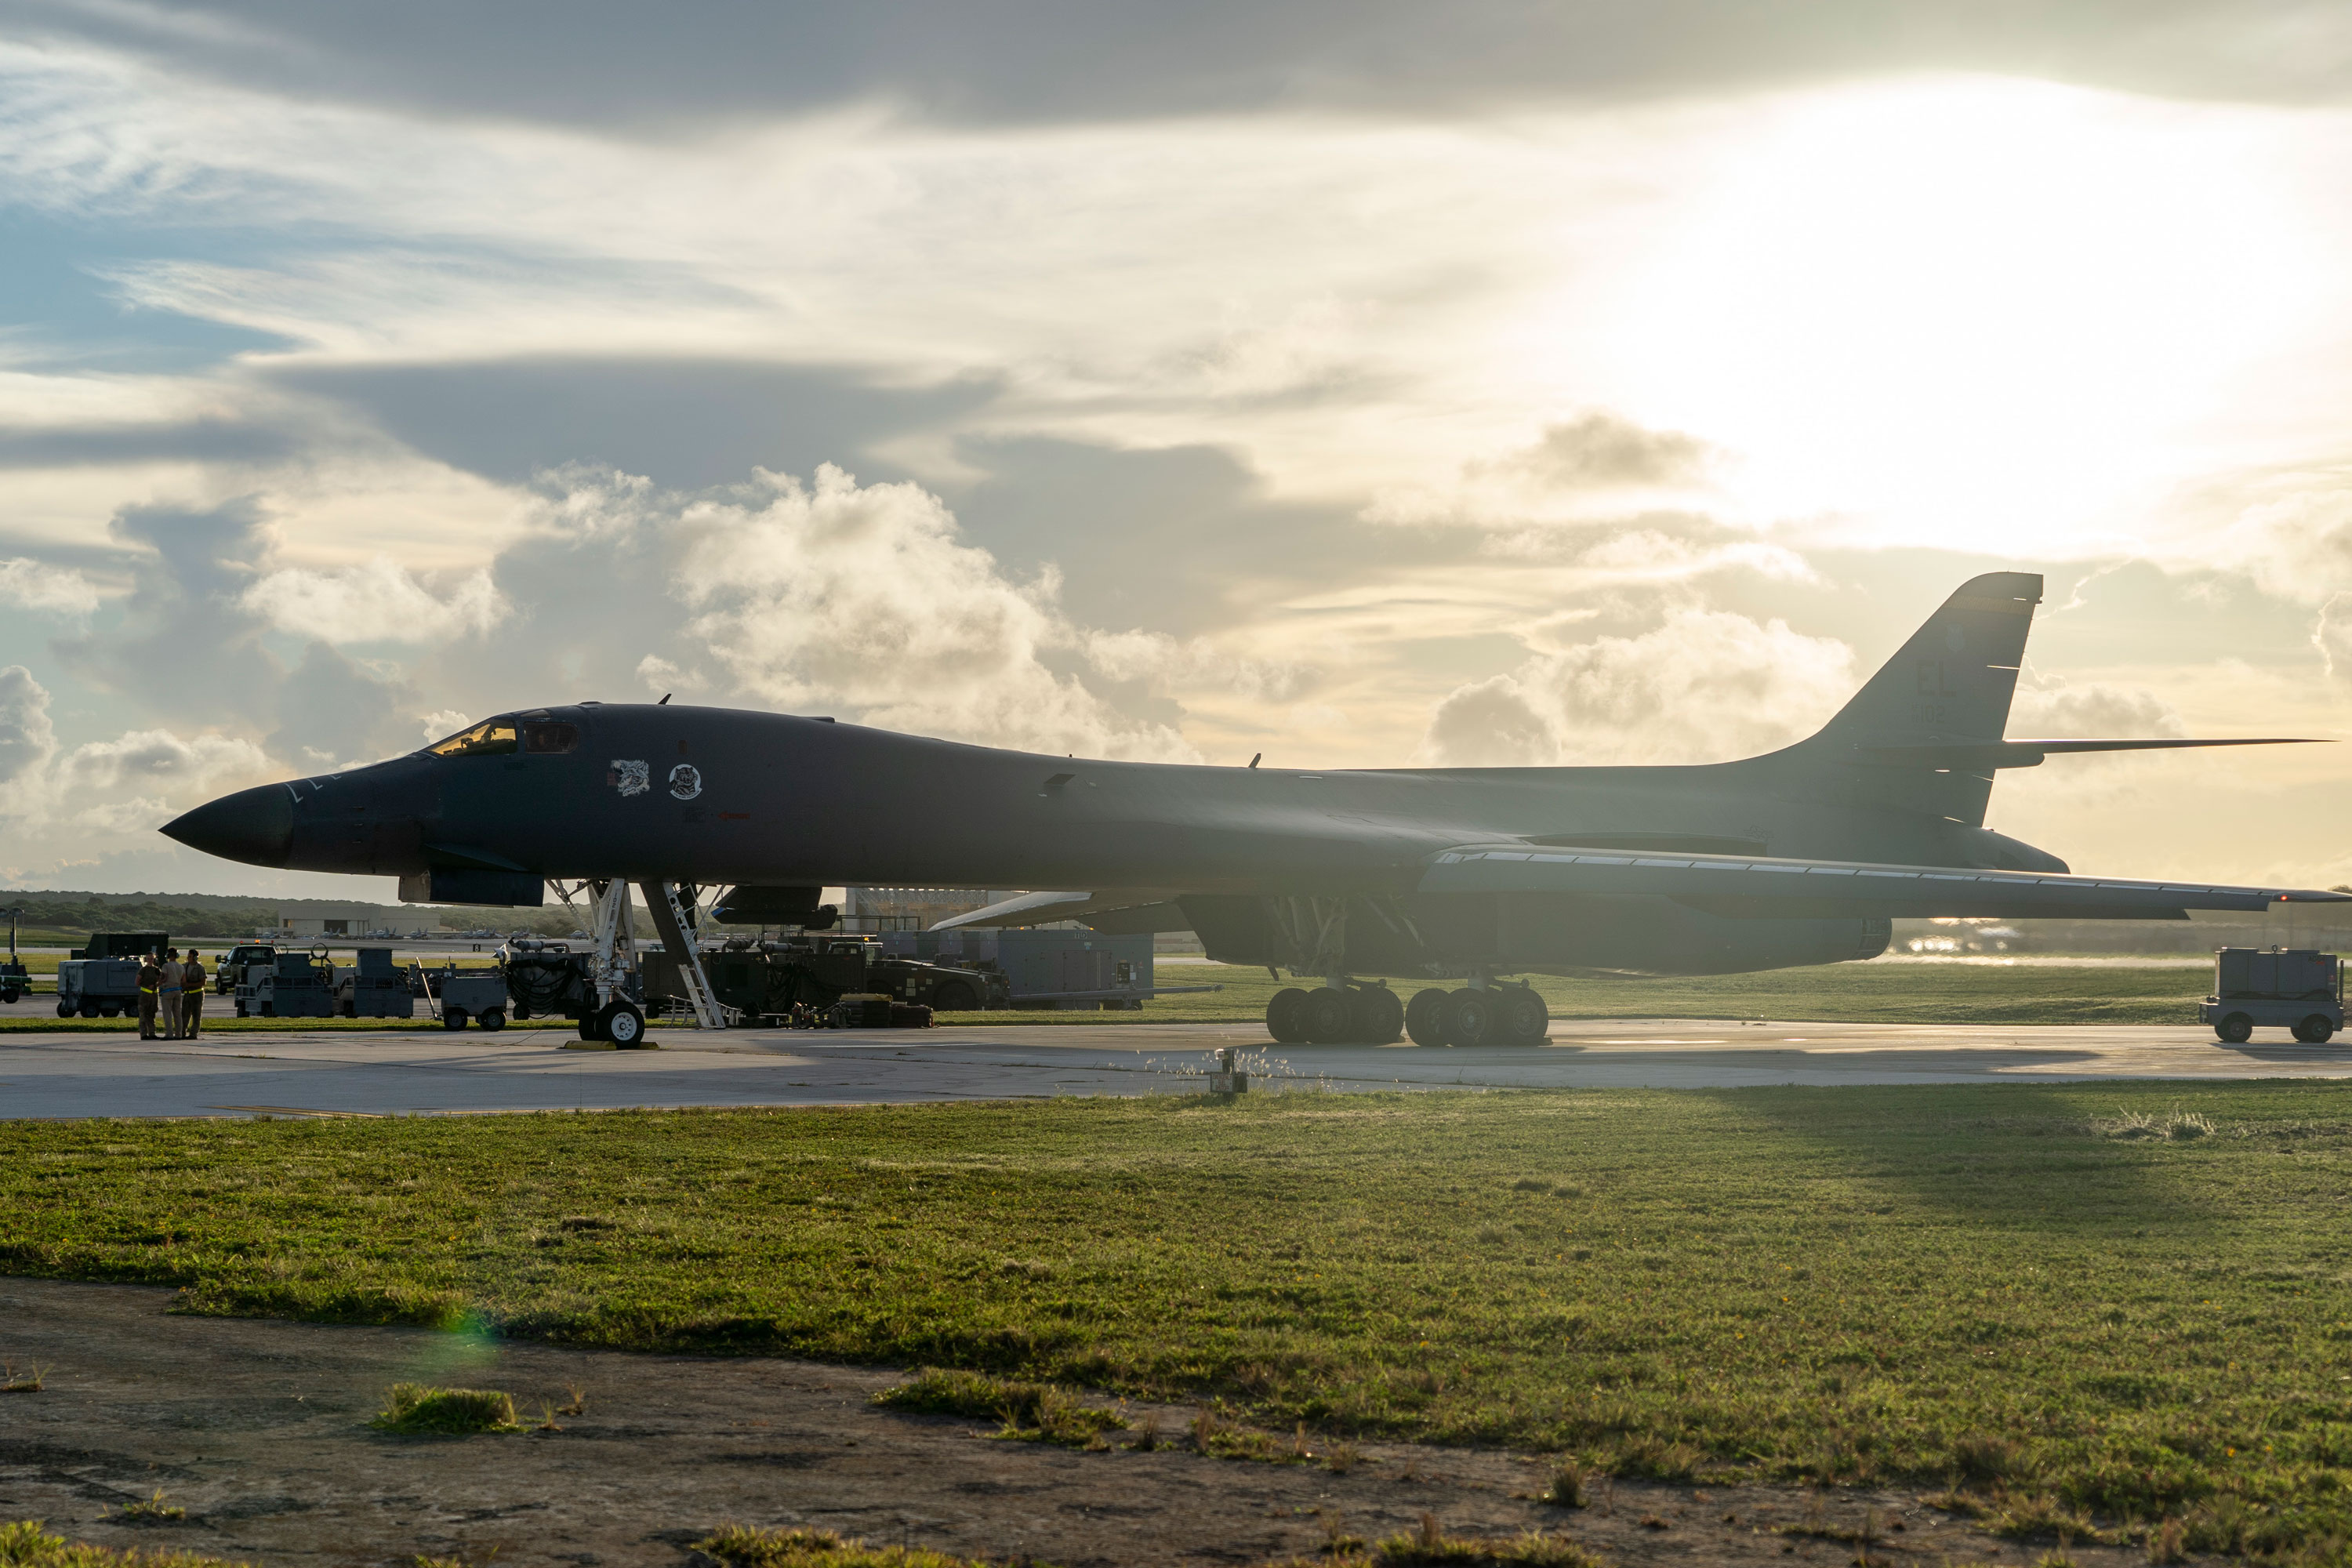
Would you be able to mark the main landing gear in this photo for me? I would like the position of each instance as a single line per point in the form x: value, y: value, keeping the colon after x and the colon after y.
x: 1478, y: 1016
x: 1351, y: 1012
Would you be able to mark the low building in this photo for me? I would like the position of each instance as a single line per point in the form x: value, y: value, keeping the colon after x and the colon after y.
x: 327, y: 921
x: 911, y: 909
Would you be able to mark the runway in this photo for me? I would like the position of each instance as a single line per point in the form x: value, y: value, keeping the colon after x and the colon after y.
x: 332, y: 1072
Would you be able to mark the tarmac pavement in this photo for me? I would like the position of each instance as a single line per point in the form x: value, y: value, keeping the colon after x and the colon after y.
x: 332, y: 1071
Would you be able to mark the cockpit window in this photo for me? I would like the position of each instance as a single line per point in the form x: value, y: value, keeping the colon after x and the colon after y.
x: 489, y: 738
x: 550, y: 737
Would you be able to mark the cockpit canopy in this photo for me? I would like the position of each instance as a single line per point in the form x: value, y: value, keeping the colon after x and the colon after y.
x: 506, y: 735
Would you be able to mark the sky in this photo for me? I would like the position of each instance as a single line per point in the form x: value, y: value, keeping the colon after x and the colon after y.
x: 1362, y: 385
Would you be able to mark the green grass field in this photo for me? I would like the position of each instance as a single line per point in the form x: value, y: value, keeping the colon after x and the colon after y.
x: 2020, y: 1288
x: 1841, y: 993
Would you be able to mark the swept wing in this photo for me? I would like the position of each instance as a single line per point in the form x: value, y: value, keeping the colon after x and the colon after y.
x: 1766, y: 886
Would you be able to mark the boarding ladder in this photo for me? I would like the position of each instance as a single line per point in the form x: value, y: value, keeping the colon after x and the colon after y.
x: 677, y: 939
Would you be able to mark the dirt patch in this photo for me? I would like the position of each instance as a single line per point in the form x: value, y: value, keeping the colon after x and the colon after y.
x: 260, y: 1431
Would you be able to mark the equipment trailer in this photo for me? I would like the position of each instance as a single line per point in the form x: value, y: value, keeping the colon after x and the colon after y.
x: 2299, y: 989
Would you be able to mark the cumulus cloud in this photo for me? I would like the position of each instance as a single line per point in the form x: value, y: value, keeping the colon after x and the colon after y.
x: 1582, y: 481
x: 38, y: 585
x: 827, y: 595
x: 1703, y: 686
x: 380, y: 601
x: 1493, y: 723
x: 2050, y: 708
x: 104, y: 789
x: 161, y: 762
x: 2331, y: 635
x: 1195, y: 664
x: 1599, y: 450
x: 188, y: 646
x: 28, y: 739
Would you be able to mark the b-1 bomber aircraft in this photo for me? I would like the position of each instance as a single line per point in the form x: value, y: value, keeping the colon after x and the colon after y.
x: 1800, y: 856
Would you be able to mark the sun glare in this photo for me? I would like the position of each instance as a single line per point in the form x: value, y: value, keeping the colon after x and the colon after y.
x: 1974, y: 311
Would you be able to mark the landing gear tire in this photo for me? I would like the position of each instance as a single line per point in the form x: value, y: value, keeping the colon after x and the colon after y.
x: 1379, y: 1016
x: 1329, y: 1016
x: 623, y: 1025
x: 591, y: 1025
x: 1468, y: 1018
x: 2236, y: 1029
x: 2315, y: 1030
x: 1423, y: 1015
x: 1521, y: 1016
x: 452, y: 1017
x: 494, y: 1019
x: 65, y: 1009
x: 1285, y: 1015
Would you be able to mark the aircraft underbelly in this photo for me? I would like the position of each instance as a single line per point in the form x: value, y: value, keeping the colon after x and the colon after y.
x: 1544, y: 933
x: 1550, y: 932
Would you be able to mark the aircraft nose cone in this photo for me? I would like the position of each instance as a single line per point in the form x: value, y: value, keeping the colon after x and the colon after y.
x: 255, y: 826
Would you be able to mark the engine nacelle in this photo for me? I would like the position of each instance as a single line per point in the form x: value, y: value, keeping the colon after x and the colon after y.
x: 1543, y: 933
x: 1553, y: 934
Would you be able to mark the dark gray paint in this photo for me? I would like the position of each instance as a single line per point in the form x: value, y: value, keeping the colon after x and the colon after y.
x: 1449, y: 870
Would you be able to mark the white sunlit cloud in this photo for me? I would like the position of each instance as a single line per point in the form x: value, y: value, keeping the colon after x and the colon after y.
x: 42, y: 586
x: 1703, y: 686
x: 378, y: 600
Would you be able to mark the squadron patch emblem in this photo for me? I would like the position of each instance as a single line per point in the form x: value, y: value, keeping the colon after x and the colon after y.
x: 629, y: 778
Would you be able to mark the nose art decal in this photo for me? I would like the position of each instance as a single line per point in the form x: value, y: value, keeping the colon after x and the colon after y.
x: 628, y: 777
x: 684, y: 783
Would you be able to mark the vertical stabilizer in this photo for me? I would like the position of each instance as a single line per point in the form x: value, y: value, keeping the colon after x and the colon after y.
x: 1953, y: 680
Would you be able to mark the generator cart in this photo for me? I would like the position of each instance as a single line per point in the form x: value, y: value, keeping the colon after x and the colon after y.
x: 101, y: 980
x: 372, y: 988
x: 2299, y: 989
x: 290, y: 985
x: 458, y: 995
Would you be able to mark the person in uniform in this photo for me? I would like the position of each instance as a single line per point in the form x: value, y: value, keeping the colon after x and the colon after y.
x: 167, y: 992
x: 151, y: 975
x: 192, y: 994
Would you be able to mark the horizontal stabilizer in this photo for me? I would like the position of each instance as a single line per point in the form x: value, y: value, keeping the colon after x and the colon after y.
x: 1761, y: 886
x: 1984, y: 755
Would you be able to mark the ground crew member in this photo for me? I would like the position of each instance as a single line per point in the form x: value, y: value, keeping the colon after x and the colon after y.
x: 192, y: 994
x: 151, y: 975
x: 167, y: 992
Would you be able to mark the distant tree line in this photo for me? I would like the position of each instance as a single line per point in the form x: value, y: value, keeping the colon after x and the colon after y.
x: 215, y: 915
x: 81, y: 911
